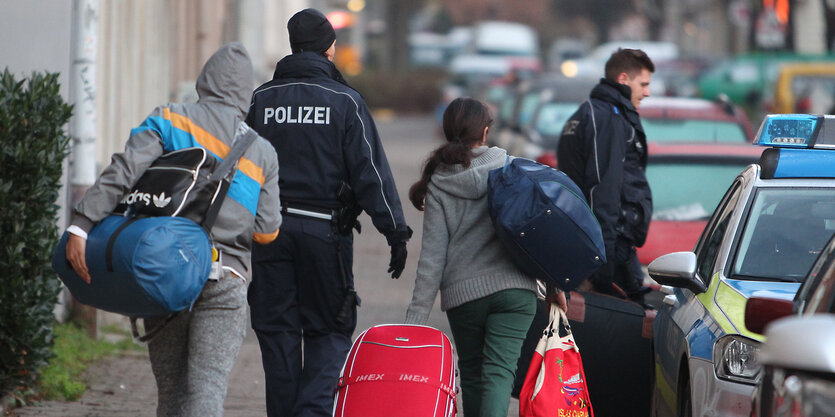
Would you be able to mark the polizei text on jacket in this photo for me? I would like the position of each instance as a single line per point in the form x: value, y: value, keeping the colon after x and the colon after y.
x: 298, y: 114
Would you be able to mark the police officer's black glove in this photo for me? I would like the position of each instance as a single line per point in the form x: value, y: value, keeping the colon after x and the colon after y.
x: 398, y: 259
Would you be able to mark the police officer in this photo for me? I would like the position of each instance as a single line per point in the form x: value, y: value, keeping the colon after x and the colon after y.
x: 332, y: 167
x: 603, y: 149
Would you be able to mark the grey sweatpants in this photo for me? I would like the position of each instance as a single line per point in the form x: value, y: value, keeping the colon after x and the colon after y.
x: 193, y: 355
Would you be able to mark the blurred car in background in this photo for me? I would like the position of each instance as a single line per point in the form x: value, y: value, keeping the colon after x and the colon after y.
x: 505, y: 39
x: 746, y: 79
x: 798, y: 356
x: 592, y: 65
x: 497, y: 50
x: 805, y: 88
x: 542, y: 113
x: 679, y: 77
x: 687, y: 183
x: 763, y: 237
x: 472, y: 73
x: 689, y: 120
x: 518, y: 113
x: 565, y: 48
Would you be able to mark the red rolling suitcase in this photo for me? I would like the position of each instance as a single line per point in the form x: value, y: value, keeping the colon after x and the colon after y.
x: 398, y: 370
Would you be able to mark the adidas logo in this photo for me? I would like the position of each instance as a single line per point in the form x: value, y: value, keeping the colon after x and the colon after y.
x: 161, y: 200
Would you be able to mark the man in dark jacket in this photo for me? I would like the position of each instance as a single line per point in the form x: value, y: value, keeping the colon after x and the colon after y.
x: 329, y: 154
x: 603, y: 149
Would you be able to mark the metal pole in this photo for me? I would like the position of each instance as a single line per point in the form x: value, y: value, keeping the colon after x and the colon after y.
x: 83, y: 123
x: 83, y: 95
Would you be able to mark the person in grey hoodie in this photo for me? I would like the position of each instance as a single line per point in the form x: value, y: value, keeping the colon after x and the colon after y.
x: 191, y: 356
x: 490, y: 304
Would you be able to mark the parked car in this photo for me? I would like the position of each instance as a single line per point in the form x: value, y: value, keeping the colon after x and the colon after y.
x: 680, y: 119
x: 505, y: 39
x: 665, y: 120
x: 517, y: 114
x: 679, y: 77
x: 542, y: 115
x: 687, y: 182
x: 807, y: 87
x: 592, y: 65
x: 799, y: 362
x: 763, y: 236
x: 744, y: 78
x: 798, y: 357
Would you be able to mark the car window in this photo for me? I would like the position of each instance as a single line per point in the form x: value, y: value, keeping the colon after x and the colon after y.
x: 784, y: 233
x: 496, y: 93
x: 691, y: 130
x: 715, y: 231
x: 822, y: 299
x: 744, y: 72
x: 688, y: 191
x: 527, y: 107
x: 506, y: 109
x: 552, y: 117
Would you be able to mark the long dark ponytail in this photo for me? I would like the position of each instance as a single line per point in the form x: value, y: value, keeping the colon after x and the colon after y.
x: 464, y: 122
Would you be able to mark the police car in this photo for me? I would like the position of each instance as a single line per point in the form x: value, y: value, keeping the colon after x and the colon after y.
x: 762, y: 238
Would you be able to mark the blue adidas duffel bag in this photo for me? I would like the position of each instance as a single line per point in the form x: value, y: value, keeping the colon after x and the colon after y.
x: 543, y: 220
x: 140, y: 267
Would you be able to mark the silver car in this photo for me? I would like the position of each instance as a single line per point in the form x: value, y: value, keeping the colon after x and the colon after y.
x: 799, y: 354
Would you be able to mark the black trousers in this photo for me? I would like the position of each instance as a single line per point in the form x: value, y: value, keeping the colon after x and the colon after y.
x: 297, y: 291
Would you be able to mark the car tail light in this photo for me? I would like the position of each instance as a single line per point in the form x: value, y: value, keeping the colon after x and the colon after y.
x: 735, y: 359
x: 548, y: 158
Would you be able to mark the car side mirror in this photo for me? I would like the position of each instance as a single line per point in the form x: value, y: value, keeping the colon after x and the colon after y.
x: 677, y: 269
x: 761, y: 311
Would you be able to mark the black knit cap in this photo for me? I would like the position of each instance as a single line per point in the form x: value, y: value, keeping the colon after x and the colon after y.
x: 310, y: 31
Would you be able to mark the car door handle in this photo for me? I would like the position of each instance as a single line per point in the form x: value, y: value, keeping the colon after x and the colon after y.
x: 671, y: 300
x: 666, y: 289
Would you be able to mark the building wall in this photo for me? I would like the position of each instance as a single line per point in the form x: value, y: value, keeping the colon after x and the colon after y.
x: 133, y: 66
x: 151, y: 52
x: 148, y: 52
x: 35, y: 36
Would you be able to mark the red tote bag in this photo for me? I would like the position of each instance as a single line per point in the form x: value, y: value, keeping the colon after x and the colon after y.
x: 555, y: 384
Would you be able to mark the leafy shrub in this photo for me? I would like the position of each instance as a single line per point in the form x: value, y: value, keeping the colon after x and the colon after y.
x: 33, y: 145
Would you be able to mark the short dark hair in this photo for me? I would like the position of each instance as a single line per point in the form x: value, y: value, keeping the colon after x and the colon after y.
x: 630, y: 61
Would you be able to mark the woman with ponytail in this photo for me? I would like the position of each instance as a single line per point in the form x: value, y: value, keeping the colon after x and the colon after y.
x: 489, y: 303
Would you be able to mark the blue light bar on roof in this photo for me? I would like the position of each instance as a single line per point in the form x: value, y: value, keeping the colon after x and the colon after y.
x: 789, y: 130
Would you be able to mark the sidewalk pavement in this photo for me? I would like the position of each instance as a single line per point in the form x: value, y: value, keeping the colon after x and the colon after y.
x: 124, y: 386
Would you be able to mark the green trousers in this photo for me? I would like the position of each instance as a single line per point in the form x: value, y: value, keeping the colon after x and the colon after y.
x: 488, y: 335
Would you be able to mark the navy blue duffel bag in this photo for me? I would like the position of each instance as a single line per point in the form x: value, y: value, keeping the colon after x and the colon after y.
x: 543, y: 220
x: 140, y: 267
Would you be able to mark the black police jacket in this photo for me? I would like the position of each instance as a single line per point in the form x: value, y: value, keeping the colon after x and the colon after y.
x: 323, y: 133
x: 603, y: 149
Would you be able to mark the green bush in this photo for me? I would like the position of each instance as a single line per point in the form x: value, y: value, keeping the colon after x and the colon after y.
x: 33, y: 145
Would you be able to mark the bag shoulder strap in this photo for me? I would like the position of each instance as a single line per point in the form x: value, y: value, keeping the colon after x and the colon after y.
x: 241, y: 144
x: 506, y: 163
x: 225, y: 173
